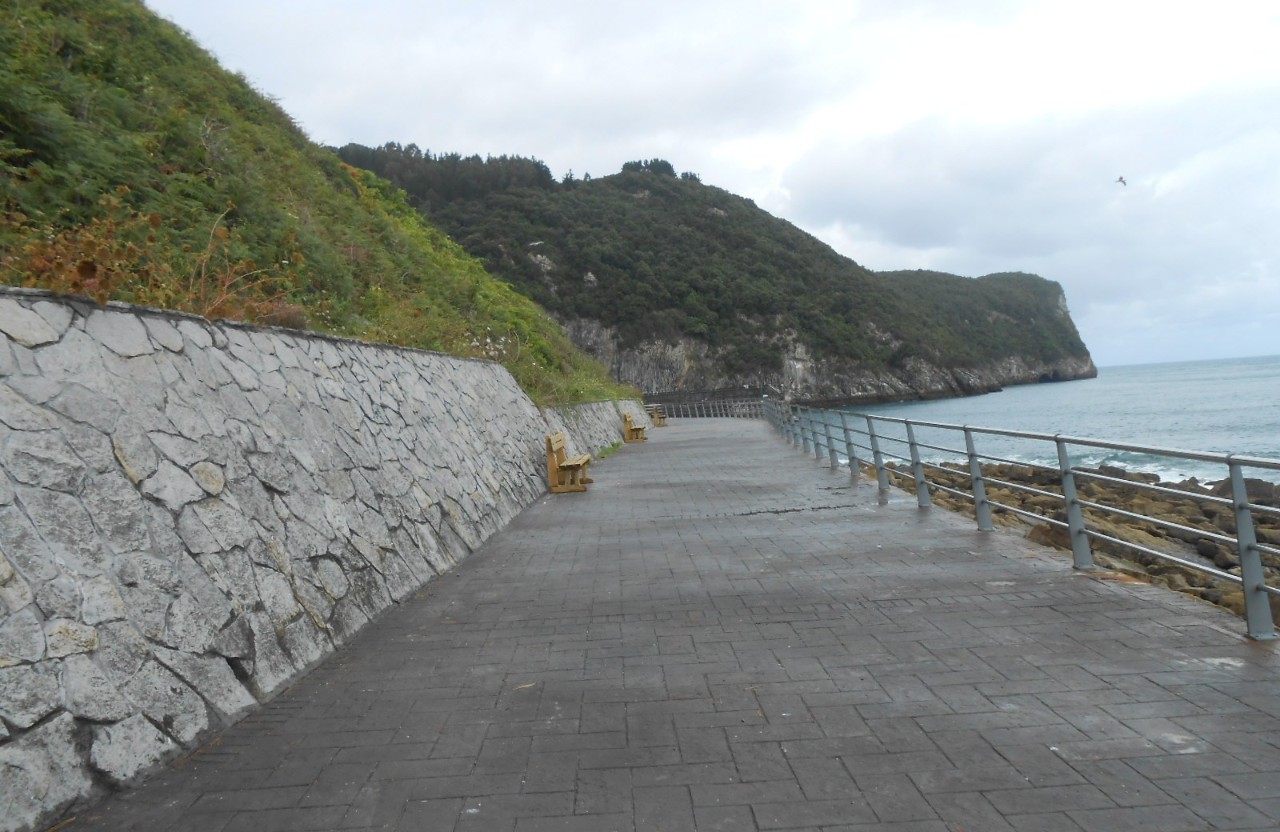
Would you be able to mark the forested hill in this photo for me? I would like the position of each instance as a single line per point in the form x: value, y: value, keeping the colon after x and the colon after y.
x: 679, y: 284
x: 133, y: 167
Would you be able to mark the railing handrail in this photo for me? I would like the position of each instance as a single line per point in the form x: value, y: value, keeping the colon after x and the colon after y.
x: 1155, y: 450
x: 743, y: 408
x: 813, y: 430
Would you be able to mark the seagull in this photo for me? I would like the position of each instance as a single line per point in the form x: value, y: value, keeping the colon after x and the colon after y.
x: 1122, y: 182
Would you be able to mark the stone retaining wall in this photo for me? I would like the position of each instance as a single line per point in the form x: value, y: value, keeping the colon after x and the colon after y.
x: 194, y: 513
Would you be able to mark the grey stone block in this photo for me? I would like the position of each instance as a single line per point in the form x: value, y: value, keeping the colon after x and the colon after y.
x: 172, y: 486
x: 28, y: 694
x: 121, y: 651
x: 25, y: 326
x: 120, y: 332
x: 66, y: 527
x: 21, y: 638
x: 211, y: 677
x: 167, y: 701
x: 20, y: 414
x: 118, y: 512
x: 44, y: 460
x: 80, y: 404
x: 164, y: 333
x: 136, y: 454
x: 43, y: 772
x: 89, y: 694
x: 64, y: 637
x: 123, y: 750
x: 181, y: 451
x: 101, y: 601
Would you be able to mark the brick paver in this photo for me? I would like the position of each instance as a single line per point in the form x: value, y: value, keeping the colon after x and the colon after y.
x: 722, y: 634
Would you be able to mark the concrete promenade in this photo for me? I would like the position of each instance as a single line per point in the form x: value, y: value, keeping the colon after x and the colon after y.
x: 722, y: 634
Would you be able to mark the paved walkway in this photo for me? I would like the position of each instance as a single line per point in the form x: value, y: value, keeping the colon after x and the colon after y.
x: 723, y: 635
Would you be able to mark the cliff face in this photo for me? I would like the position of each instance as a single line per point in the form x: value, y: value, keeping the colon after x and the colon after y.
x: 679, y: 286
x: 687, y: 364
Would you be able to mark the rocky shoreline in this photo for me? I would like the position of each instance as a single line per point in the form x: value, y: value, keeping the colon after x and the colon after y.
x: 1197, y: 510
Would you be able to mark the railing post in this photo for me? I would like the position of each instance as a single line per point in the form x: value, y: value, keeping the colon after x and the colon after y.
x: 1257, y: 606
x: 882, y: 476
x: 1081, y: 551
x: 803, y: 422
x: 917, y: 470
x: 817, y: 440
x: 850, y: 449
x: 832, y: 456
x: 981, y: 507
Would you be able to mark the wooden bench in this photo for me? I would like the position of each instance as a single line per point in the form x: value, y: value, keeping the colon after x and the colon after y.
x: 631, y: 432
x: 565, y: 473
x: 656, y: 415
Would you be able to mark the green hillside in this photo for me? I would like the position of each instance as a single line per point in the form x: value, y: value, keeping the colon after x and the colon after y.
x: 658, y: 255
x: 132, y: 167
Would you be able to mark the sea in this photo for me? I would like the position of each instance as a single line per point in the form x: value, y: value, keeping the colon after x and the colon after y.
x: 1219, y: 407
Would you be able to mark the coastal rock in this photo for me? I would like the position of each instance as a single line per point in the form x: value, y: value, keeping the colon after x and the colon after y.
x: 1186, y: 510
x: 1261, y: 492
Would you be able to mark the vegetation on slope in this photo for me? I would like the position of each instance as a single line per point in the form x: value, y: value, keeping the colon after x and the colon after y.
x: 133, y: 168
x: 656, y: 255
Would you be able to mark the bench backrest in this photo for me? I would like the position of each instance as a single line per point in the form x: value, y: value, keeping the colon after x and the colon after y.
x: 556, y: 447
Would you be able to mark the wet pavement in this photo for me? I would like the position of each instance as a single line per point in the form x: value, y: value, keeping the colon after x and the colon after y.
x: 723, y: 634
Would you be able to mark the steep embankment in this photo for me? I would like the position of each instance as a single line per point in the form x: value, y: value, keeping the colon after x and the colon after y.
x: 133, y: 167
x: 676, y: 285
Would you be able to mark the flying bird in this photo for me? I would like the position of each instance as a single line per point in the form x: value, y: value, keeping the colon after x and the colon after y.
x: 1122, y: 182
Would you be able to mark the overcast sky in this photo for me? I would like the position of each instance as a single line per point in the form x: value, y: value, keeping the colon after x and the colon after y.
x: 969, y: 137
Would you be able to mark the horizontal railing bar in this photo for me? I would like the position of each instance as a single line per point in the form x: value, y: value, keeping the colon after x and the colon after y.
x: 1032, y: 514
x: 1169, y: 524
x: 1264, y: 509
x: 974, y: 477
x: 987, y: 457
x: 957, y: 451
x: 1150, y: 486
x: 1026, y: 488
x: 1165, y: 556
x: 950, y: 490
x: 1199, y: 456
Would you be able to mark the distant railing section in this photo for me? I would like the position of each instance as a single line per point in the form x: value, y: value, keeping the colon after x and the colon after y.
x: 717, y: 408
x: 881, y: 442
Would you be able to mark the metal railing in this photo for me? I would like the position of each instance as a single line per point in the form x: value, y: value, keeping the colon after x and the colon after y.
x: 889, y: 447
x: 717, y: 408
